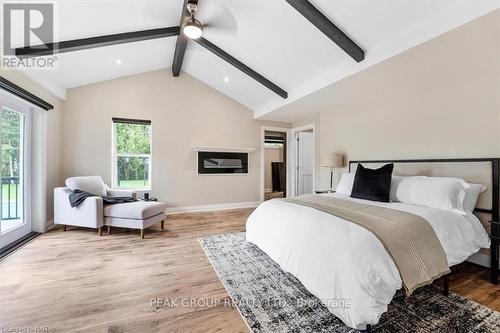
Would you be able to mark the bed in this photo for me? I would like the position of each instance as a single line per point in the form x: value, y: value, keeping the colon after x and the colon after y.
x: 343, y: 263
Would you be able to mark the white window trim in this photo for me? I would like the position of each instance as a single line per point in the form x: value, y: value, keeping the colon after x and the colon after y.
x: 33, y: 200
x: 115, y: 155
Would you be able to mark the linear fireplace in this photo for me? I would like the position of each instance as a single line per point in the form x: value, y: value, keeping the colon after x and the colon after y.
x: 212, y: 162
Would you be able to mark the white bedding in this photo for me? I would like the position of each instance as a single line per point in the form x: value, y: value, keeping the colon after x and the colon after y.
x: 339, y: 261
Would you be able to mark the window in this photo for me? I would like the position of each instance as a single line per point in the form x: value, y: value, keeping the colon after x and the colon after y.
x: 131, y: 153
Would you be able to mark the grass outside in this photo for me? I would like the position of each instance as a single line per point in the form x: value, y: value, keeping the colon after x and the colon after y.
x: 11, y: 204
x: 5, y: 192
x: 134, y: 184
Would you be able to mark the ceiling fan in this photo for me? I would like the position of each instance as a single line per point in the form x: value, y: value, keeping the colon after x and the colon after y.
x: 190, y: 28
x: 216, y: 19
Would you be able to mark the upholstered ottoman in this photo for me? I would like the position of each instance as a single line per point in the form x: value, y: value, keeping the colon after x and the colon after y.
x: 135, y: 215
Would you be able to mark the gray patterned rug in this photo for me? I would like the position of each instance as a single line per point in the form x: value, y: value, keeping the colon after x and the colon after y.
x: 271, y: 300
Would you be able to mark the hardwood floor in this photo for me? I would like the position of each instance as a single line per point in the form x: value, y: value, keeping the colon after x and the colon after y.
x: 76, y: 281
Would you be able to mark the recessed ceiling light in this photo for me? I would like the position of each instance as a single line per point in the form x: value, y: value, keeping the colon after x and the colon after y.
x: 118, y: 61
x: 226, y: 79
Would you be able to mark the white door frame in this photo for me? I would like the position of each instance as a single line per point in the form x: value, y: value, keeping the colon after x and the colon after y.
x: 263, y: 130
x: 293, y: 156
x: 25, y: 109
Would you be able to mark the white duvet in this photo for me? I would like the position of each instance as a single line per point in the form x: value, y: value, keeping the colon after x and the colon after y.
x: 345, y: 265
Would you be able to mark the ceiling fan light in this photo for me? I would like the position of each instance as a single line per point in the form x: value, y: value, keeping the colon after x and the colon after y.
x: 193, y: 29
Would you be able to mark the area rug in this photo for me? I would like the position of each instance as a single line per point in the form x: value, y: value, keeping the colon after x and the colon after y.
x: 271, y: 300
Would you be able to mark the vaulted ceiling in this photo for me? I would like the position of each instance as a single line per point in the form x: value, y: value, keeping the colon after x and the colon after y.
x: 269, y: 36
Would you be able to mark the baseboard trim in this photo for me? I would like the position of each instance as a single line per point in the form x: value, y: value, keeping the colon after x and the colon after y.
x: 50, y: 225
x: 209, y: 208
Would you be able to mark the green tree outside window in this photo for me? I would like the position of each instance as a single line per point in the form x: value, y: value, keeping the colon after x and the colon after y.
x: 133, y: 155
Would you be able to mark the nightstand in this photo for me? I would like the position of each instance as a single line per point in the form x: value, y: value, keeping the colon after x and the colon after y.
x: 324, y: 191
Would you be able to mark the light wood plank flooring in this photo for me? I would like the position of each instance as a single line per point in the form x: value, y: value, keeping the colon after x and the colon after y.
x: 76, y: 281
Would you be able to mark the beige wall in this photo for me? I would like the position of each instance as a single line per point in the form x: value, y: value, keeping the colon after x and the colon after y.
x: 271, y: 155
x: 184, y: 113
x: 438, y: 100
x: 53, y: 119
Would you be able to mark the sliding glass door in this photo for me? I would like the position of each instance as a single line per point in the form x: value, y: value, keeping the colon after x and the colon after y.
x: 15, y: 152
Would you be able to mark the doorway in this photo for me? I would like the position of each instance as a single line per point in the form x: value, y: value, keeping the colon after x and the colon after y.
x: 274, y: 163
x: 15, y: 173
x: 304, y: 160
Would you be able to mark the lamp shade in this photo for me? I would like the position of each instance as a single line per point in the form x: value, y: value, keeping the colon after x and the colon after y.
x: 193, y: 29
x: 332, y: 161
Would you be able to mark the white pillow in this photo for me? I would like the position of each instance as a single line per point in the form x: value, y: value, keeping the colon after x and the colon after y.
x: 394, y: 185
x: 345, y: 184
x: 472, y: 195
x: 91, y: 184
x: 437, y: 192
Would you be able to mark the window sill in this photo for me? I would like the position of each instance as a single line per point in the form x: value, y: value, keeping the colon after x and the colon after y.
x: 131, y: 189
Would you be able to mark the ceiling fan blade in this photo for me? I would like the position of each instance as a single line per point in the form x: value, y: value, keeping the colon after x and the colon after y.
x: 217, y: 18
x: 214, y: 28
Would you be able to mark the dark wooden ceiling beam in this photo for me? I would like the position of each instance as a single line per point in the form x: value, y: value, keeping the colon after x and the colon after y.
x: 326, y: 26
x: 181, y: 44
x: 241, y: 66
x: 24, y: 94
x: 93, y: 42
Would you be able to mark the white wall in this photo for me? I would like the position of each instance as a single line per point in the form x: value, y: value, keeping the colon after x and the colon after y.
x: 184, y: 112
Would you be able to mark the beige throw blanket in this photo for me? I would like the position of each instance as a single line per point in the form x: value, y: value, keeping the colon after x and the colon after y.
x: 409, y: 239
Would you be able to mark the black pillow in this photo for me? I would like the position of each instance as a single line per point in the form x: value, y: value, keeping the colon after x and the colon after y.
x: 374, y: 185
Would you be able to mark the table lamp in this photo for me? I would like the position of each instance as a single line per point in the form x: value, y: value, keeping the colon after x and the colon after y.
x: 332, y: 161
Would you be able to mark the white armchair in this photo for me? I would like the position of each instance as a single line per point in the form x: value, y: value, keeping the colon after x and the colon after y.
x: 90, y: 213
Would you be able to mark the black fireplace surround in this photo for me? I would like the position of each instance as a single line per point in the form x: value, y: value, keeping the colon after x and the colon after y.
x: 222, y: 162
